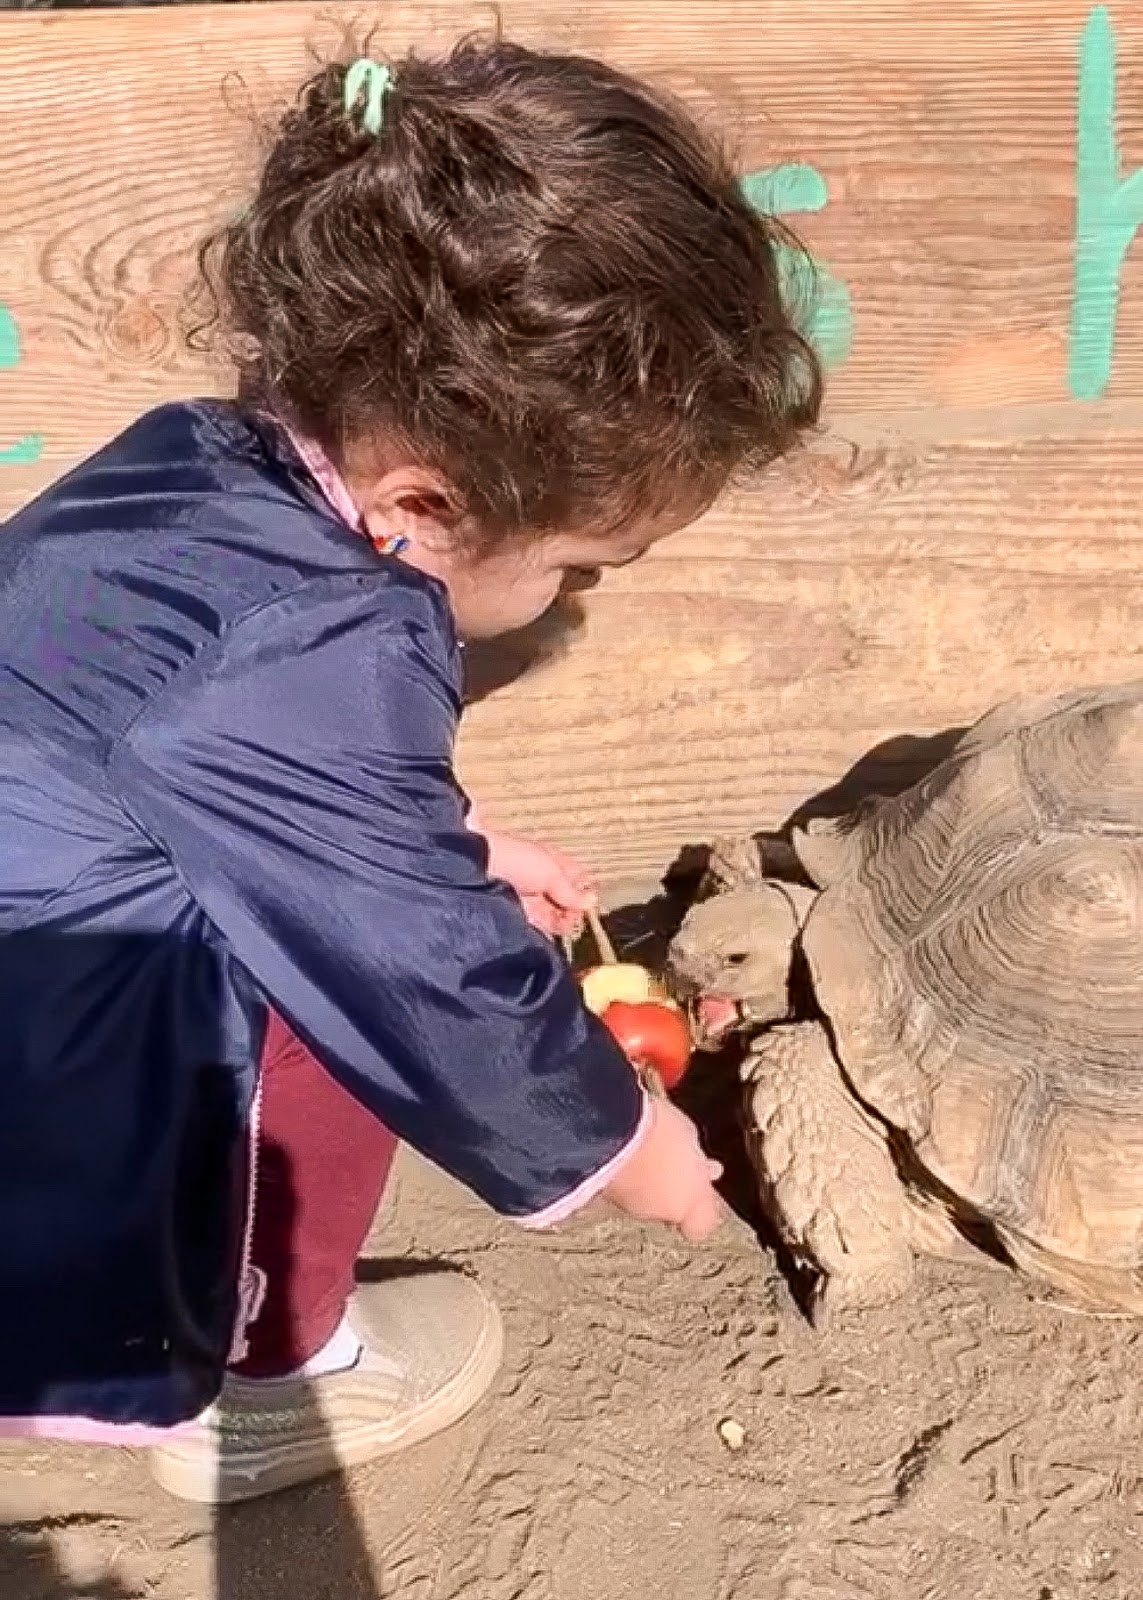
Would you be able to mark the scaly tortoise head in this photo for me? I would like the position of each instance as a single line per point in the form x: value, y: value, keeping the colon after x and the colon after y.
x: 732, y: 956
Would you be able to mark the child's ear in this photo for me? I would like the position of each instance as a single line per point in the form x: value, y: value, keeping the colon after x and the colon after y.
x: 407, y: 503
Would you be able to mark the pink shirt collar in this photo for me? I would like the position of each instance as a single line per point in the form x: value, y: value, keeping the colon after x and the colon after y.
x: 327, y: 478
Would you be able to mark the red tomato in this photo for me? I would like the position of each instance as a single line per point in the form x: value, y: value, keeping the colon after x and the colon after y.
x: 651, y: 1035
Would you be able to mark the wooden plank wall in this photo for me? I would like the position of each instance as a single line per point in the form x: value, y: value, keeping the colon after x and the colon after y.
x: 969, y: 527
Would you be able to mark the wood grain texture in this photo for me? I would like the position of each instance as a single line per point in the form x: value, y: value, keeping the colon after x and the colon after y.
x: 745, y: 664
x: 987, y: 538
x: 946, y: 136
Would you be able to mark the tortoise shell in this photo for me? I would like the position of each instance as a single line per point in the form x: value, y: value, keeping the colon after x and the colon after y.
x: 978, y: 954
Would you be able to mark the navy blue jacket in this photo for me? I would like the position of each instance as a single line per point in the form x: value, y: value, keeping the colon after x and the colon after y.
x: 226, y: 739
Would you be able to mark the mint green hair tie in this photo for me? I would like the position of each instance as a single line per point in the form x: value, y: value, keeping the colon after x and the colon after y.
x: 376, y: 79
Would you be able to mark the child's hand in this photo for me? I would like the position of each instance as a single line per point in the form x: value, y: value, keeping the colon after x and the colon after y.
x: 669, y: 1179
x: 554, y: 890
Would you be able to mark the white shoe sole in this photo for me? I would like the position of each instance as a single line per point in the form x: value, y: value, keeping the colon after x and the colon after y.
x: 341, y: 1435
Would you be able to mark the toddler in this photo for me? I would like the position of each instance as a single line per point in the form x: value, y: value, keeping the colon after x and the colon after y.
x: 499, y: 317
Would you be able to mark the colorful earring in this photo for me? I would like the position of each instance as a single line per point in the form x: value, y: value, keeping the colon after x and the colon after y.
x: 394, y: 545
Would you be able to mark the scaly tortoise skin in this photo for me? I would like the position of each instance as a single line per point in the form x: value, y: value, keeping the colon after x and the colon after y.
x: 976, y: 954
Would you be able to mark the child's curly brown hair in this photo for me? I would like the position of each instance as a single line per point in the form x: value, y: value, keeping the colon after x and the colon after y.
x: 539, y: 280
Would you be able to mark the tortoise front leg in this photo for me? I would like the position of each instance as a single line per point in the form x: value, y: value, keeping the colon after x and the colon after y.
x: 825, y: 1172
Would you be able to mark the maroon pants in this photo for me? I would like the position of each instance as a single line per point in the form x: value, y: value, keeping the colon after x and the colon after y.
x: 323, y: 1162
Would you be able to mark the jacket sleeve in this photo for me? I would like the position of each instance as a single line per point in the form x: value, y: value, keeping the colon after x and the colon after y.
x: 299, y: 778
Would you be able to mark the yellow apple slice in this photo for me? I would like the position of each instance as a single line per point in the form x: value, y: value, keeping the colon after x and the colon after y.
x: 620, y: 980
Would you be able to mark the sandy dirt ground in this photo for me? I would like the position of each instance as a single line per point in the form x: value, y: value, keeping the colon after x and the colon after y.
x: 969, y: 1443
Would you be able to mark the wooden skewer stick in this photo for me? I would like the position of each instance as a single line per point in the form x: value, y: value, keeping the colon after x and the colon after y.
x: 602, y: 943
x: 652, y: 1082
x: 650, y: 1079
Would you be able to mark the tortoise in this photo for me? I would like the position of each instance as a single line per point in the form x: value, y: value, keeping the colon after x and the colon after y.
x: 968, y: 1071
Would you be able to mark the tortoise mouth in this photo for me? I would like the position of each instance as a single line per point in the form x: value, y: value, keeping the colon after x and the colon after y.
x: 714, y: 1017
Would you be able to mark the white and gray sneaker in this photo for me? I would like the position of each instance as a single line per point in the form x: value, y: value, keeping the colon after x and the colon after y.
x: 430, y: 1347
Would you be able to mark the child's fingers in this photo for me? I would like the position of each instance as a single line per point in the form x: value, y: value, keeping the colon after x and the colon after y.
x: 560, y: 912
x: 569, y: 922
x: 703, y: 1217
x: 542, y: 914
x: 550, y: 918
x: 569, y: 897
x: 569, y: 883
